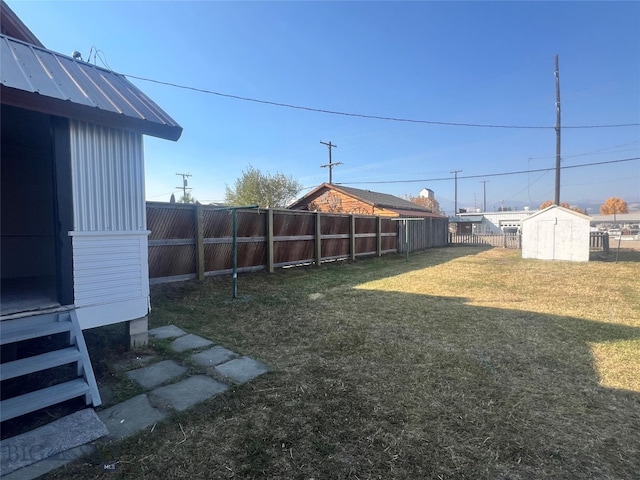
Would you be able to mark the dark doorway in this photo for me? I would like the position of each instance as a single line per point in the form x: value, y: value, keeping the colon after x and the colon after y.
x: 30, y: 224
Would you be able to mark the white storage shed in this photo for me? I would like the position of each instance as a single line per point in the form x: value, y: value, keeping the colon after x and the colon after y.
x: 556, y: 233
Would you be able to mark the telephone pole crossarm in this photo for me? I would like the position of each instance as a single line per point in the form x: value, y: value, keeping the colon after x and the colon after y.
x: 184, y: 186
x: 331, y: 164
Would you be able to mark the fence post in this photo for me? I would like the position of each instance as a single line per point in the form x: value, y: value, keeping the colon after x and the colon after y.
x: 352, y: 236
x: 379, y: 237
x: 199, y: 242
x: 318, y: 243
x: 270, y: 240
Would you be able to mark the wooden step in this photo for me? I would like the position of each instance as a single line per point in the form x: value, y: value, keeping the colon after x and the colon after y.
x: 30, y: 402
x: 37, y: 363
x: 12, y: 331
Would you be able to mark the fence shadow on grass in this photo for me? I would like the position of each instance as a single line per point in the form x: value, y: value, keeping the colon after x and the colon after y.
x: 493, y: 393
x: 373, y: 268
x: 393, y: 384
x: 390, y: 384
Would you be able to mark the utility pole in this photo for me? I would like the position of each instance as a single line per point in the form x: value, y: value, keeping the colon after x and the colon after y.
x: 455, y: 202
x: 557, y: 74
x: 330, y: 165
x: 184, y: 186
x: 484, y: 190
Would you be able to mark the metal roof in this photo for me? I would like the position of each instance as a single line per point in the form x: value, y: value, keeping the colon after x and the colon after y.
x: 35, y: 78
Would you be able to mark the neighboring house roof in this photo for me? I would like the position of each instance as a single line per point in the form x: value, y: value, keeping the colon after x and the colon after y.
x: 35, y: 78
x: 552, y: 207
x: 375, y: 199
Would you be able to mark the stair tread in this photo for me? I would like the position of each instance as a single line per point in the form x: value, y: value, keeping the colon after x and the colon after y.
x: 15, y: 333
x: 38, y: 363
x: 30, y: 402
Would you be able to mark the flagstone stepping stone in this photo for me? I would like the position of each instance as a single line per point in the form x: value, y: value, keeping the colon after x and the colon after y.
x: 167, y: 331
x: 157, y: 373
x: 242, y: 370
x: 129, y: 417
x: 189, y: 342
x: 212, y: 357
x: 190, y: 391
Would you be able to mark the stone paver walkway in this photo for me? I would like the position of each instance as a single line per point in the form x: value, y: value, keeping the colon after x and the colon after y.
x: 169, y: 386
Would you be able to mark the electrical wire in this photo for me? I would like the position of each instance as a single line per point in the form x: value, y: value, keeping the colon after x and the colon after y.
x: 372, y: 117
x: 502, y: 174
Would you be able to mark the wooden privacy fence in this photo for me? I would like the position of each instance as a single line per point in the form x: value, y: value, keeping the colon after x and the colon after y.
x: 505, y: 240
x: 193, y: 241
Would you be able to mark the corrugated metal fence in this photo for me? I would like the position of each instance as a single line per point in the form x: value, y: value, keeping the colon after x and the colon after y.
x: 193, y: 241
x: 422, y: 234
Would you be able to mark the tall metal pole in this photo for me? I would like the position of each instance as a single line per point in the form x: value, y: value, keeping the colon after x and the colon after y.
x: 557, y: 74
x: 234, y: 247
x: 455, y: 202
x: 484, y: 191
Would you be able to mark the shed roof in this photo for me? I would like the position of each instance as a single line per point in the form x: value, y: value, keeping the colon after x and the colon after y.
x: 553, y: 207
x: 35, y: 78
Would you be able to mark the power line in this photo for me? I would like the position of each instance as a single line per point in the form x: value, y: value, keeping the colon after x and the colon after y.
x: 372, y: 117
x: 502, y: 174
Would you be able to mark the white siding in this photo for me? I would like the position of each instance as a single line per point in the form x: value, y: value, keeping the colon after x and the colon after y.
x: 110, y: 258
x: 108, y: 179
x: 110, y: 277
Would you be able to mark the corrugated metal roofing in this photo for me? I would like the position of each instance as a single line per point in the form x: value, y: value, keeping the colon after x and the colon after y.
x: 35, y: 78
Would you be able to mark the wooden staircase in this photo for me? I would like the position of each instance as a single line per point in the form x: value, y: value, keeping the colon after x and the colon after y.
x: 14, y: 333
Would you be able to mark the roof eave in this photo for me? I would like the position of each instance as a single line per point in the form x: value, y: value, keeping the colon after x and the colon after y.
x: 68, y: 109
x: 15, y: 28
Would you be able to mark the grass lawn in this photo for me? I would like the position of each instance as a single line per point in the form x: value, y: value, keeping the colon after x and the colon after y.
x: 461, y: 363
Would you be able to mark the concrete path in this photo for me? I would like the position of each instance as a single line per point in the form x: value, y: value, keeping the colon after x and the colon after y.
x: 169, y: 387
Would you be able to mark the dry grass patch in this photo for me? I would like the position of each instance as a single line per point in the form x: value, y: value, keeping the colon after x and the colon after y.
x: 462, y: 363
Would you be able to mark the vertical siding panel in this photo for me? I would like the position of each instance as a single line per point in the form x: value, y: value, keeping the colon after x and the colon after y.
x: 108, y: 171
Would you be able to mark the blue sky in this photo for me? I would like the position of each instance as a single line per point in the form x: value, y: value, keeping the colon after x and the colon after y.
x: 459, y: 62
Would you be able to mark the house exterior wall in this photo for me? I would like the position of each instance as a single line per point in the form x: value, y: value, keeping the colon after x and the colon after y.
x: 110, y: 263
x: 497, y: 222
x: 556, y: 234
